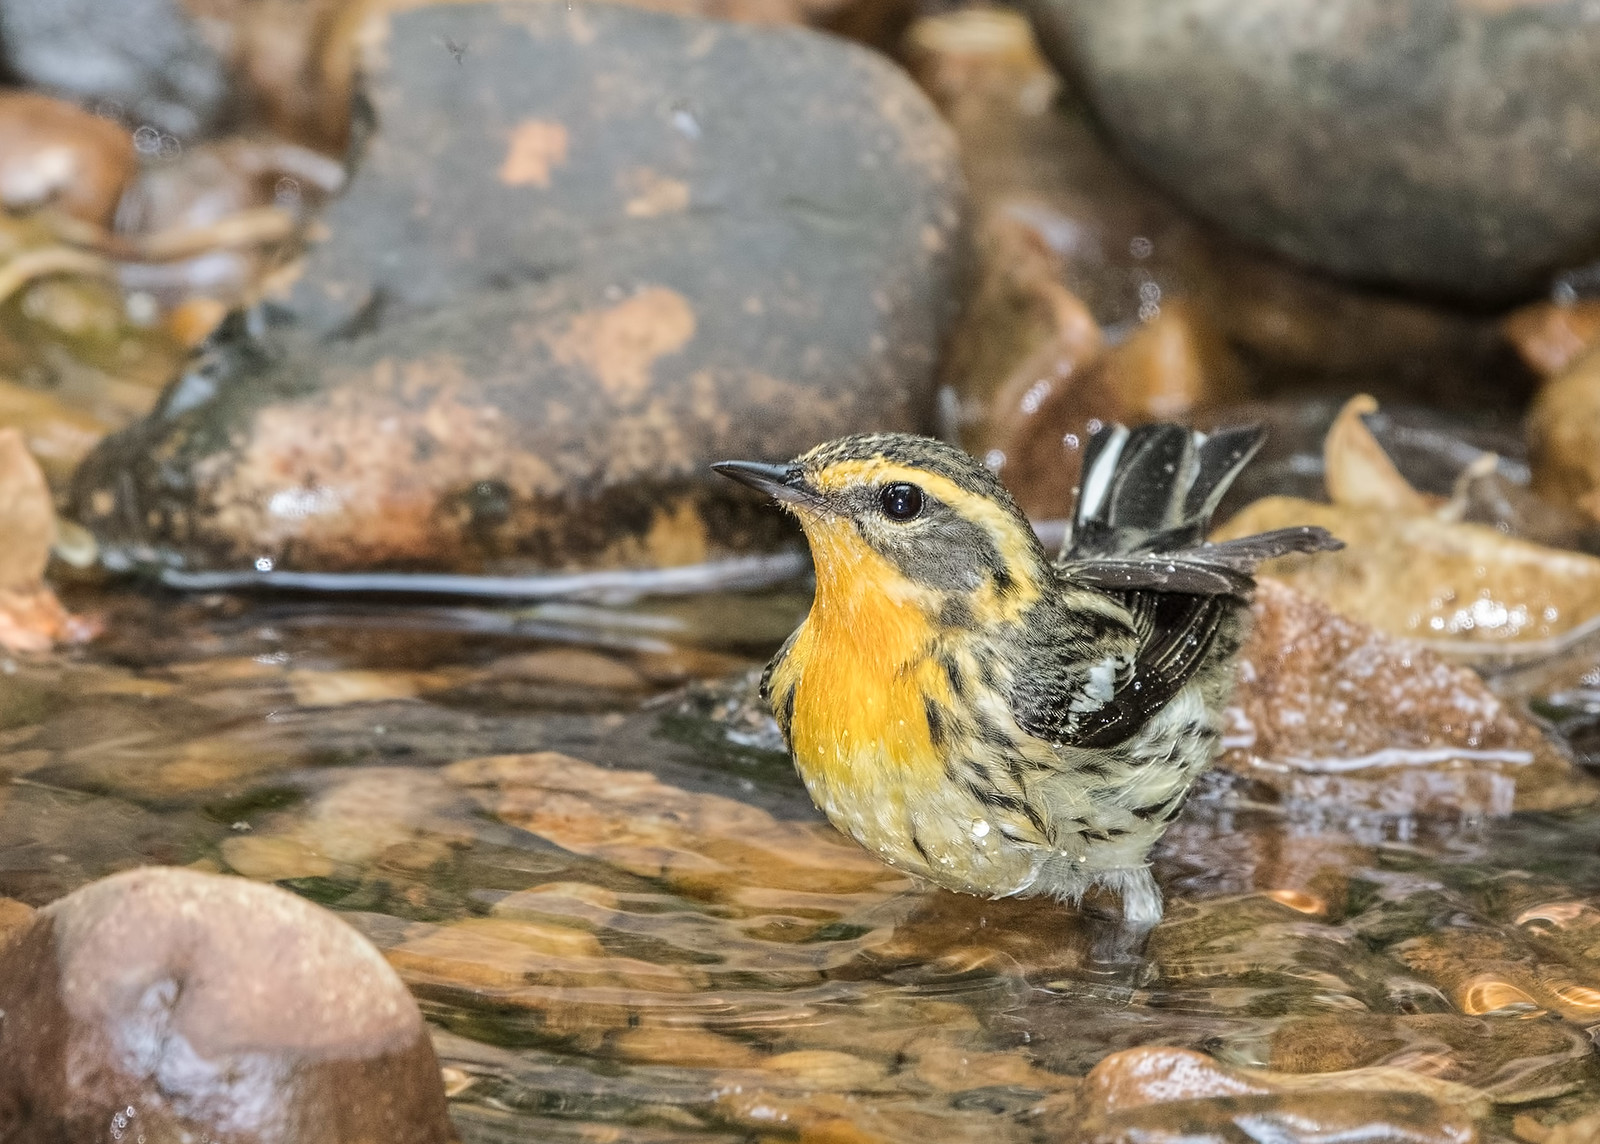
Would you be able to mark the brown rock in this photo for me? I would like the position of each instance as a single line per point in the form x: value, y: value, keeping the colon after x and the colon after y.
x: 1138, y: 1078
x: 1564, y: 436
x: 1028, y: 371
x: 1295, y: 1118
x: 56, y: 155
x: 528, y: 332
x: 27, y: 515
x: 31, y: 618
x: 1583, y: 1130
x: 1331, y: 710
x: 683, y: 1048
x: 951, y: 1067
x: 14, y: 918
x: 1550, y: 336
x: 1170, y: 366
x: 394, y: 817
x: 962, y: 934
x: 571, y: 667
x: 560, y: 973
x: 208, y: 1007
x: 1491, y: 971
x: 1511, y: 1061
x: 705, y: 843
x: 826, y: 1070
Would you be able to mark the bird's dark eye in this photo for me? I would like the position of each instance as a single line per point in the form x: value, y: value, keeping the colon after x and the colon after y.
x: 901, y: 501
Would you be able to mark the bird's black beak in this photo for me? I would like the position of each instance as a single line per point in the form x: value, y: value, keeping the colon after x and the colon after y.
x: 785, y: 483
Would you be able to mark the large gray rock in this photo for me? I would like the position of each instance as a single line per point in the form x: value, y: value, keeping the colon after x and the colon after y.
x: 1430, y: 144
x: 166, y: 1005
x: 142, y: 59
x: 602, y: 250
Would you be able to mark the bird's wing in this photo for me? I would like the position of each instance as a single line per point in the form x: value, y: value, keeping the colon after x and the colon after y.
x: 784, y: 713
x: 1209, y: 569
x: 1178, y: 603
x: 1069, y: 702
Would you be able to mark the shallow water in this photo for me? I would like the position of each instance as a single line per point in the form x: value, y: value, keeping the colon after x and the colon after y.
x: 650, y: 935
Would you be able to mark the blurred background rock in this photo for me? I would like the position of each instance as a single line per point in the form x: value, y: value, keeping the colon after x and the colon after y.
x: 1201, y: 206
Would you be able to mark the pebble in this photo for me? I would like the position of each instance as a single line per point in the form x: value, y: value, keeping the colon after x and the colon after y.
x: 57, y: 156
x: 1564, y: 436
x: 207, y: 1006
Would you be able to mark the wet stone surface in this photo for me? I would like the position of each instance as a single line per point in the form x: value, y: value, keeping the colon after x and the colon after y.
x: 142, y: 59
x: 560, y: 284
x: 168, y: 1004
x: 622, y: 921
x: 1404, y: 143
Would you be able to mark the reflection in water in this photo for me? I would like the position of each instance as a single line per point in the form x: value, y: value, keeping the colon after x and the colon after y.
x: 625, y: 925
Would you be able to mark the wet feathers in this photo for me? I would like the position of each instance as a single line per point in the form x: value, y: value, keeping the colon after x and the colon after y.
x: 989, y: 718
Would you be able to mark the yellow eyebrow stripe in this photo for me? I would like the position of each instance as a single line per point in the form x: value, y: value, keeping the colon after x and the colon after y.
x: 878, y: 471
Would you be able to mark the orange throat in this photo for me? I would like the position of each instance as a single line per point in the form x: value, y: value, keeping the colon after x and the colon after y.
x: 861, y: 668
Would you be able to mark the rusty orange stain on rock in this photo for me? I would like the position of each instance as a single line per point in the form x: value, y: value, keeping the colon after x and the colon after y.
x: 621, y: 344
x: 538, y: 146
x: 652, y: 194
x: 360, y: 473
x: 677, y: 535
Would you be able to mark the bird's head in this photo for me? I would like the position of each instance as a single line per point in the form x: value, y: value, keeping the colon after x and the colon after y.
x: 909, y: 507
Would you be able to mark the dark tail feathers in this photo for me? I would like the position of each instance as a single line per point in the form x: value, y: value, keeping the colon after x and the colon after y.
x: 1154, y: 488
x: 1152, y: 491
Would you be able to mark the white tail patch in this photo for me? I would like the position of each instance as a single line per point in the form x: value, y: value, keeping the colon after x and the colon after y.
x: 1097, y: 481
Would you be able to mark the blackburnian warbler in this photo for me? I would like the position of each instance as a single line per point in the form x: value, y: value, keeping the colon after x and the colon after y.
x: 992, y: 720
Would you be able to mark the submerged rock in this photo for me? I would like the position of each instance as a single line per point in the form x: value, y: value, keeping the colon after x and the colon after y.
x: 1409, y: 144
x: 1332, y: 712
x: 533, y: 324
x: 172, y: 1005
x: 705, y: 844
x: 1299, y: 1118
x: 1138, y: 1078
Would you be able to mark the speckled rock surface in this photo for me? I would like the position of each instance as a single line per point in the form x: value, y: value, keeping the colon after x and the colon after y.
x: 561, y: 283
x: 168, y: 1005
x: 1430, y: 144
x: 1331, y: 711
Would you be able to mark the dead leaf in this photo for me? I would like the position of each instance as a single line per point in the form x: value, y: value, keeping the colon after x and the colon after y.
x: 1412, y: 570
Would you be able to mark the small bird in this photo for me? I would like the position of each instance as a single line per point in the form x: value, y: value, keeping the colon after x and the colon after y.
x: 992, y: 720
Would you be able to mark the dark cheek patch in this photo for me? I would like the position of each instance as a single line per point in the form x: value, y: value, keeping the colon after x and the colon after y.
x: 949, y: 554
